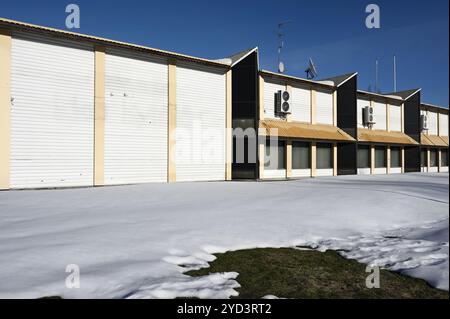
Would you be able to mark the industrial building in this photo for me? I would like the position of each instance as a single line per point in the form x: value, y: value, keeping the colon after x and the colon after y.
x: 78, y: 110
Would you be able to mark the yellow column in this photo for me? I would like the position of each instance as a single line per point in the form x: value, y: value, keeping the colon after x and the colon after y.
x: 99, y: 123
x: 288, y: 159
x: 439, y: 160
x: 403, y: 159
x: 335, y: 108
x: 372, y: 159
x: 403, y: 117
x: 313, y: 159
x: 335, y: 160
x: 388, y: 160
x: 261, y: 98
x: 428, y: 159
x: 229, y: 129
x: 5, y: 108
x: 261, y: 159
x: 172, y: 122
x: 313, y: 106
x: 388, y: 118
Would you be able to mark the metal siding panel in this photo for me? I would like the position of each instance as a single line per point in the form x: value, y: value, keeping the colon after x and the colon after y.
x: 380, y: 170
x: 395, y: 118
x: 52, y: 113
x: 301, y: 173
x: 200, y: 138
x: 364, y: 171
x: 432, y: 123
x: 324, y: 107
x: 443, y: 124
x: 274, y: 173
x: 324, y: 172
x: 301, y: 104
x: 136, y: 106
x: 270, y: 88
x: 379, y: 112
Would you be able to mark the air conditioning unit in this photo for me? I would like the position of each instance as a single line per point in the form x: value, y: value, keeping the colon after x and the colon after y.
x: 368, y: 117
x: 282, y: 102
x: 424, y: 123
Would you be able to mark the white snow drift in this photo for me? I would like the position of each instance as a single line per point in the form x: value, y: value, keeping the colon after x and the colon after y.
x: 131, y: 241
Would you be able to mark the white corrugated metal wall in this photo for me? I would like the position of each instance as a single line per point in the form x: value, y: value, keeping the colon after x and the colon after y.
x: 432, y: 123
x: 324, y: 107
x: 136, y: 99
x: 395, y: 118
x: 443, y: 124
x: 200, y: 138
x: 301, y: 103
x: 379, y: 112
x: 52, y: 113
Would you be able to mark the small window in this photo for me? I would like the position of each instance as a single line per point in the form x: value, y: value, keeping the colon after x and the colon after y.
x: 324, y: 156
x: 301, y: 155
x: 380, y: 157
x: 396, y: 154
x: 275, y: 156
x: 364, y: 156
x: 444, y: 158
x: 423, y: 158
x: 433, y: 158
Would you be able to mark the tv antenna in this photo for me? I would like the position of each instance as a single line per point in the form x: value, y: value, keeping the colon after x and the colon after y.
x: 281, y: 66
x: 311, y: 71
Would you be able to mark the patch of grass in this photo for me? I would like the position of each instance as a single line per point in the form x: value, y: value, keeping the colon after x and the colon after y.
x: 309, y: 274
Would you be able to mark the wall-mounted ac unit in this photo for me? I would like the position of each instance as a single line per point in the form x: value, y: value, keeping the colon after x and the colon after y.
x: 424, y: 123
x: 368, y: 117
x: 282, y: 102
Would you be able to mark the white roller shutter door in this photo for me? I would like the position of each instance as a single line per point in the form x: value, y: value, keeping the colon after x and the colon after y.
x: 136, y: 89
x: 324, y: 107
x: 200, y: 136
x: 443, y: 124
x: 52, y: 113
x: 301, y: 104
x: 379, y: 112
x: 395, y: 118
x: 432, y: 123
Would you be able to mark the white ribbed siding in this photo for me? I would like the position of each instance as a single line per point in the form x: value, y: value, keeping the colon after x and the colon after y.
x: 274, y: 173
x: 444, y: 169
x: 433, y: 169
x: 379, y: 112
x: 52, y: 112
x: 395, y: 170
x: 301, y: 172
x: 324, y: 172
x: 395, y: 118
x: 136, y: 97
x: 432, y: 123
x: 324, y: 107
x: 364, y: 171
x: 301, y: 104
x: 443, y: 124
x: 270, y: 88
x: 361, y: 104
x: 380, y: 171
x: 200, y: 136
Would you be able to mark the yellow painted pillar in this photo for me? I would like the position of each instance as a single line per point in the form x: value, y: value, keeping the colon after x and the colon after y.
x: 5, y: 108
x: 229, y: 129
x: 403, y: 117
x: 403, y: 159
x: 261, y: 159
x: 313, y: 159
x: 388, y: 117
x: 288, y: 159
x: 428, y: 160
x: 313, y: 106
x: 335, y: 159
x: 99, y: 114
x: 261, y: 98
x: 172, y: 122
x: 388, y: 160
x: 335, y: 108
x: 372, y: 159
x: 439, y: 160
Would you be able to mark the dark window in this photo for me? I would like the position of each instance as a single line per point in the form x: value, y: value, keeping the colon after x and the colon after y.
x: 275, y: 155
x: 433, y: 158
x: 380, y: 156
x: 324, y: 156
x: 301, y: 155
x: 423, y: 158
x: 364, y: 156
x: 444, y: 158
x: 396, y: 157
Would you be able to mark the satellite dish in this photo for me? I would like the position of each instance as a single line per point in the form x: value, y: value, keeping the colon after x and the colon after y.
x: 281, y: 68
x: 311, y: 71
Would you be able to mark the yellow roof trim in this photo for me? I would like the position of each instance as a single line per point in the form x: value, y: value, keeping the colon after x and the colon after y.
x: 436, y: 141
x: 12, y: 24
x: 303, y: 131
x: 384, y: 137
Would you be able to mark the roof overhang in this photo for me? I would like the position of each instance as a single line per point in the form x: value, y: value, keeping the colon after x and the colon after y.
x: 434, y: 140
x: 384, y: 137
x: 380, y: 96
x: 278, y: 128
x: 324, y: 84
x: 16, y: 25
x: 435, y: 108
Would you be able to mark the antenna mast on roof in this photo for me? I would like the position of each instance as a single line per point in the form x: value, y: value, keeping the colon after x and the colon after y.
x: 377, y: 90
x: 395, y: 73
x: 280, y: 34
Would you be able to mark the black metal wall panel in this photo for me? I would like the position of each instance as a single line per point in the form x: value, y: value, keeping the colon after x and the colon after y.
x: 412, y: 159
x: 347, y: 107
x: 412, y: 117
x: 347, y: 158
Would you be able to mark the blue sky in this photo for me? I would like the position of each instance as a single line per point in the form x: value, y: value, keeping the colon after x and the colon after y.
x: 333, y: 33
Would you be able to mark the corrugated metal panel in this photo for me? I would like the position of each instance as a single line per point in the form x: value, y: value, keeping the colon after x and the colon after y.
x: 52, y: 113
x: 443, y: 124
x: 270, y: 88
x: 136, y: 89
x: 301, y: 173
x: 200, y: 138
x: 432, y: 123
x: 444, y: 169
x: 324, y: 107
x: 396, y: 170
x: 434, y: 169
x: 362, y: 103
x: 364, y: 171
x: 324, y: 172
x: 274, y: 173
x: 395, y: 118
x: 380, y: 171
x: 301, y: 104
x: 379, y: 112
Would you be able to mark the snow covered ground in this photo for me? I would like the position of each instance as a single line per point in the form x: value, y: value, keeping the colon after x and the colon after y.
x: 129, y: 241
